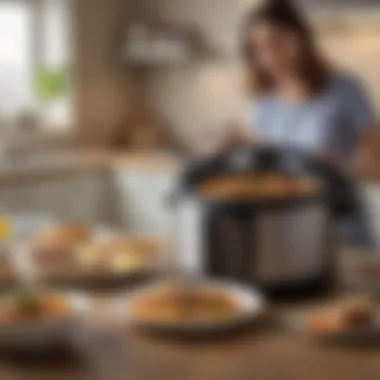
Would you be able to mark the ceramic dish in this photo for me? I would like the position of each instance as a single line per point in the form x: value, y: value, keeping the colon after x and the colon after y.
x: 250, y: 306
x: 366, y: 335
x: 40, y: 334
x: 79, y: 274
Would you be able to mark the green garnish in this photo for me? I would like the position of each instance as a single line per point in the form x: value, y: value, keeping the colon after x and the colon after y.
x: 25, y: 302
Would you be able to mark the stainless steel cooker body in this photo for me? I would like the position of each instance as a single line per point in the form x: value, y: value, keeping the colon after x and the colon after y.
x: 268, y: 245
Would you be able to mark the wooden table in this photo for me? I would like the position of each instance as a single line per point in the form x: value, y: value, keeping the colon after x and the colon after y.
x: 262, y: 356
x: 262, y: 352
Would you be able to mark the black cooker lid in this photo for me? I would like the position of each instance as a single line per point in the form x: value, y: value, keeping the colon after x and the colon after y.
x: 340, y: 191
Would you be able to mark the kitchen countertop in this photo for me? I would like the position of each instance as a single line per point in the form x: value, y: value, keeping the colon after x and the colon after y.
x: 150, y: 162
x: 264, y: 351
x: 87, y: 160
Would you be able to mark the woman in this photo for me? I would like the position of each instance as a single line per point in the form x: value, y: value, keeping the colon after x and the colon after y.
x: 301, y: 101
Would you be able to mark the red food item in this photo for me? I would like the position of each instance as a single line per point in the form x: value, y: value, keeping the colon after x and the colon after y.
x: 349, y: 314
x: 325, y: 323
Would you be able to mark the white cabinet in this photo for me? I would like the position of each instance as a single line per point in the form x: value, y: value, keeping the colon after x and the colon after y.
x: 142, y: 201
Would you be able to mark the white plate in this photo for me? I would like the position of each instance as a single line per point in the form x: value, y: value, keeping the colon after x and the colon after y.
x: 362, y: 336
x: 251, y: 302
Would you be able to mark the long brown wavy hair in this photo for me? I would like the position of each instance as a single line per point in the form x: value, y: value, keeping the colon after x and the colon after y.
x: 283, y: 14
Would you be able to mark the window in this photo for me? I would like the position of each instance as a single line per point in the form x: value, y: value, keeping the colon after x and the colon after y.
x: 34, y: 61
x: 15, y: 63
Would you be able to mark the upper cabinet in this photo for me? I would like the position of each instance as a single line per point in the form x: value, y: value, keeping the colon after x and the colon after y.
x: 172, y: 31
x: 151, y: 41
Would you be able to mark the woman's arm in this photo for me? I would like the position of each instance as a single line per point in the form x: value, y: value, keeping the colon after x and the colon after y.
x: 362, y: 115
x: 367, y: 161
x: 361, y: 120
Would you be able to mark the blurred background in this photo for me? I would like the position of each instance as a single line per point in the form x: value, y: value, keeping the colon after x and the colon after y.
x: 102, y: 102
x: 126, y: 90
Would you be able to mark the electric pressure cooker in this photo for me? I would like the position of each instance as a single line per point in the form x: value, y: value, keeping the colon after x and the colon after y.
x: 284, y: 246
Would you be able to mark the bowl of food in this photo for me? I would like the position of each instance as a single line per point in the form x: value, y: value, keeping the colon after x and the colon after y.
x: 352, y: 320
x: 73, y: 254
x: 34, y: 319
x: 55, y: 247
x: 188, y: 307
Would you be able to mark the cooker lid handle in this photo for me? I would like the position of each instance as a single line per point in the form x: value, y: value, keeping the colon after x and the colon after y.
x: 342, y: 193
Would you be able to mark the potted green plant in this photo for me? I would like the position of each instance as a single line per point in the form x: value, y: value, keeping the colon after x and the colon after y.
x: 51, y: 86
